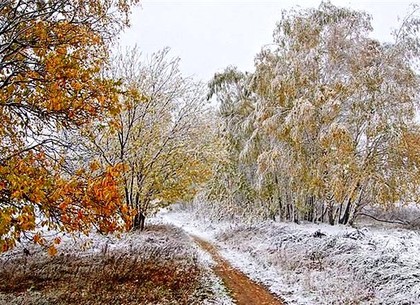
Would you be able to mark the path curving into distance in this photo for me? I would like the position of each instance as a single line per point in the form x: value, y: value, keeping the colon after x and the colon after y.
x: 243, y: 290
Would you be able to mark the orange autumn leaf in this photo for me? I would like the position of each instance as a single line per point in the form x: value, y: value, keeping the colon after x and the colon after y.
x: 57, y: 240
x: 52, y: 251
x: 37, y: 238
x: 94, y: 166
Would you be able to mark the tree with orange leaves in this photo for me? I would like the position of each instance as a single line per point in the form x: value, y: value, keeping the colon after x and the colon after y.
x: 163, y: 136
x: 51, y: 56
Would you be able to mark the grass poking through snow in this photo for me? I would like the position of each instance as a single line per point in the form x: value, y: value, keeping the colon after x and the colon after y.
x: 158, y: 266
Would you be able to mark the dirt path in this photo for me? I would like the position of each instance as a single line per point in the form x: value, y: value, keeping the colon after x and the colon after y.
x: 244, y: 290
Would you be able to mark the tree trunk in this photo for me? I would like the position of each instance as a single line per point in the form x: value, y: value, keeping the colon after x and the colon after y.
x: 142, y: 220
x: 309, y: 215
x: 330, y: 215
x: 340, y: 210
x: 138, y: 223
x: 323, y: 211
x: 345, y: 219
x: 288, y: 212
x: 357, y: 207
x: 330, y: 209
x: 295, y: 215
x: 280, y: 209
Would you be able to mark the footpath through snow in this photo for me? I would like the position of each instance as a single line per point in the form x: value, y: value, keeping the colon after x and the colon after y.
x: 243, y: 290
x: 315, y: 264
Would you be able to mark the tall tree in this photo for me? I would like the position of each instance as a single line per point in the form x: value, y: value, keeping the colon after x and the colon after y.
x: 162, y: 136
x: 51, y: 55
x: 332, y: 114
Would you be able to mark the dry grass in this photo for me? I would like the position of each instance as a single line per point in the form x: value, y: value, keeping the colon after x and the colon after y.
x: 152, y: 274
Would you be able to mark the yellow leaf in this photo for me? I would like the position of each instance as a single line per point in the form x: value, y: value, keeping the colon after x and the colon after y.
x: 52, y: 251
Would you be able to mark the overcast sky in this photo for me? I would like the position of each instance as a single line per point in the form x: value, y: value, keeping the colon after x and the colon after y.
x: 211, y: 35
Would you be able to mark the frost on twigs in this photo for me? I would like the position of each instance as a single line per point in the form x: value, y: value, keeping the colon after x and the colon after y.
x: 326, y: 123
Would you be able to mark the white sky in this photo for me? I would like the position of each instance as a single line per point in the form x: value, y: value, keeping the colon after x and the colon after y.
x: 211, y: 35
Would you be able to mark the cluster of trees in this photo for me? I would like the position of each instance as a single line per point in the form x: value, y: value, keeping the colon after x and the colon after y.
x: 324, y: 125
x: 89, y: 140
x: 327, y: 122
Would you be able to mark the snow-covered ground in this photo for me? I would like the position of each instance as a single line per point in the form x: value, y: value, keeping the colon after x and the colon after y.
x: 315, y: 264
x: 304, y: 264
x: 156, y: 244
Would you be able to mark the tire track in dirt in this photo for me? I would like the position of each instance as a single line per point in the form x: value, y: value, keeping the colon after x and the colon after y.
x: 244, y: 291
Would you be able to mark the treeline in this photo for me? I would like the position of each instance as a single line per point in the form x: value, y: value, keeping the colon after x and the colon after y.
x: 325, y: 125
x: 89, y: 139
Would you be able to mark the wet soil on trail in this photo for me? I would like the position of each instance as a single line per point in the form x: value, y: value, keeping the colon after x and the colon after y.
x: 243, y: 290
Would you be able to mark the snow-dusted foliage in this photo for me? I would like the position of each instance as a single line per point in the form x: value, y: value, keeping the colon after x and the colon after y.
x: 158, y: 135
x: 325, y: 125
x: 317, y: 263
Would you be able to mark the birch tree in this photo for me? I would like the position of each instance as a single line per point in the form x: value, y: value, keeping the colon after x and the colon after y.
x: 332, y: 113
